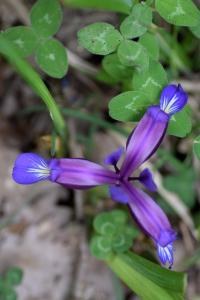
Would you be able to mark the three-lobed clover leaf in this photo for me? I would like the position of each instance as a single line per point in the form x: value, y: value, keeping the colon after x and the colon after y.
x: 178, y: 12
x: 101, y: 247
x: 151, y: 81
x: 128, y: 106
x: 51, y: 56
x: 46, y: 17
x: 99, y: 38
x: 14, y: 276
x: 180, y: 124
x: 8, y: 281
x: 137, y: 22
x: 9, y: 294
x: 112, y: 65
x: 104, y: 225
x: 133, y: 54
x: 150, y: 42
x: 113, y: 235
x: 196, y: 29
x: 24, y: 39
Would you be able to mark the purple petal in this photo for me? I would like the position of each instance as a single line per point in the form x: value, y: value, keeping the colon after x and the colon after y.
x: 117, y: 194
x: 80, y: 173
x: 173, y: 99
x: 166, y: 254
x: 146, y: 179
x: 114, y: 157
x: 30, y: 168
x: 149, y: 216
x: 145, y: 139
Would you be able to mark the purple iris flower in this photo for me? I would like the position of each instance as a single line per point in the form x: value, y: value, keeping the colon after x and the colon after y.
x: 79, y: 173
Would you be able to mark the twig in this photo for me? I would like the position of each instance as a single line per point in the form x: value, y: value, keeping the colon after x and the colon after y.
x: 187, y: 239
x: 20, y: 9
x: 173, y: 200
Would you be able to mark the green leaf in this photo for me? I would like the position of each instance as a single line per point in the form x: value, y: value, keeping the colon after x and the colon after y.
x: 119, y: 216
x: 10, y: 294
x: 101, y: 247
x: 178, y: 12
x: 115, y: 68
x: 23, y: 38
x: 14, y: 276
x: 196, y: 147
x: 46, y: 17
x: 196, y: 29
x: 34, y: 80
x: 133, y: 54
x: 122, y: 243
x: 173, y: 50
x: 51, y: 56
x: 183, y: 186
x: 122, y: 6
x: 180, y: 124
x: 104, y: 225
x: 138, y: 273
x: 99, y: 38
x: 137, y: 23
x: 131, y: 231
x: 151, y: 82
x: 128, y: 106
x: 150, y: 42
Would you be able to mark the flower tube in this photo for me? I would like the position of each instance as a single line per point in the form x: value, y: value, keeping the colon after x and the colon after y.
x: 152, y: 220
x: 149, y: 133
x: 73, y: 173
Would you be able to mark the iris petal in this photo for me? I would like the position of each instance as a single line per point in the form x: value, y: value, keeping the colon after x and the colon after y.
x: 80, y: 173
x: 145, y: 139
x: 166, y: 254
x: 117, y: 194
x: 146, y: 179
x: 114, y: 157
x: 173, y: 99
x: 30, y: 168
x: 151, y: 219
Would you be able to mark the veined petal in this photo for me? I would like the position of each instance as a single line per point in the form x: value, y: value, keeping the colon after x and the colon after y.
x: 114, y: 157
x: 149, y: 216
x: 80, y: 173
x: 145, y: 139
x: 166, y: 254
x: 173, y: 99
x: 146, y: 179
x: 30, y: 168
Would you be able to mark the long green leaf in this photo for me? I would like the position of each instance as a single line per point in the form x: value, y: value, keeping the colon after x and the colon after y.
x: 35, y: 81
x: 147, y: 279
x: 82, y: 115
x: 122, y: 6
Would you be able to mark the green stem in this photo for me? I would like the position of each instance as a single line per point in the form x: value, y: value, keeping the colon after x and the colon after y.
x: 167, y: 49
x: 93, y: 119
x: 35, y: 81
x: 81, y: 115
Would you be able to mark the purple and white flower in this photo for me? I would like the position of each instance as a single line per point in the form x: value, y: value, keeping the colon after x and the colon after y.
x: 79, y: 173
